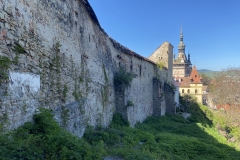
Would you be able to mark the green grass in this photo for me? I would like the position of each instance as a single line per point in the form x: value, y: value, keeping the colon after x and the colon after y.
x: 168, y: 137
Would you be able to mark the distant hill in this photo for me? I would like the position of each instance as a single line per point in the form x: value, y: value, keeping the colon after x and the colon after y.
x: 209, y: 73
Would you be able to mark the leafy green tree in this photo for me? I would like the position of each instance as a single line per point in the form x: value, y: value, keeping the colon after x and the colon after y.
x: 206, y: 79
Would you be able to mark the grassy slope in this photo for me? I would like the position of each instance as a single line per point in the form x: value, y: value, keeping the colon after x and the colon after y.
x: 168, y: 137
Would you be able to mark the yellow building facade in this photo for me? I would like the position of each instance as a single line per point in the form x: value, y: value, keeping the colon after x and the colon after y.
x: 191, y: 85
x: 194, y: 90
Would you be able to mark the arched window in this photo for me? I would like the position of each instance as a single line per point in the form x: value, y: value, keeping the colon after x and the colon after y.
x: 188, y: 91
x: 183, y: 91
x: 196, y: 91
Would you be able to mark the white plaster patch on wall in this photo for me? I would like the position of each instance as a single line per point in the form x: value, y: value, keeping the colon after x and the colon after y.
x: 27, y: 81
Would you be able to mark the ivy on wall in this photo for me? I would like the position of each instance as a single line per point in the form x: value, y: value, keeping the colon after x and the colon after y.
x: 122, y: 77
x: 105, y: 89
x: 5, y: 63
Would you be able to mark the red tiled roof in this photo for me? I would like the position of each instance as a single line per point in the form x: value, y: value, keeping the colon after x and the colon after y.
x: 193, y: 79
x: 228, y: 107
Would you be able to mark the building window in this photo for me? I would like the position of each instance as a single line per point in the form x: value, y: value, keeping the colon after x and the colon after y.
x: 183, y: 91
x: 140, y: 70
x: 196, y: 91
x: 188, y: 91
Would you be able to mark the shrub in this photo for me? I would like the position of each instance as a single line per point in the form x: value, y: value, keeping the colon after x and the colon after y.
x: 118, y: 121
x: 130, y: 103
x: 122, y: 77
x: 5, y: 63
x: 45, y: 139
x: 160, y: 65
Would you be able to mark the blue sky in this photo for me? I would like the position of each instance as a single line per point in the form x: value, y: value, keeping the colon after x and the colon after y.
x: 211, y: 28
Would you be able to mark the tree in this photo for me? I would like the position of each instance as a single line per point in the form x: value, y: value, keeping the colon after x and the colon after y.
x: 225, y: 93
x: 206, y: 79
x: 225, y: 87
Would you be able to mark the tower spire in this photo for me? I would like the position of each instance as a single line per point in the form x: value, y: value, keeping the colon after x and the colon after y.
x: 181, y: 34
x: 181, y: 46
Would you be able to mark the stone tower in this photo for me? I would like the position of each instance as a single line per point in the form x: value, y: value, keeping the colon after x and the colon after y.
x: 164, y: 54
x: 182, y: 65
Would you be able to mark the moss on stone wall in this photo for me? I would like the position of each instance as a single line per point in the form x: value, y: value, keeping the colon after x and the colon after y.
x: 130, y: 103
x: 64, y: 115
x: 105, y: 88
x: 5, y: 63
x: 65, y: 90
x: 17, y: 48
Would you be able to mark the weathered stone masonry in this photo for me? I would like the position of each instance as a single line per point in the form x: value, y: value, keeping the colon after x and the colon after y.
x: 61, y: 59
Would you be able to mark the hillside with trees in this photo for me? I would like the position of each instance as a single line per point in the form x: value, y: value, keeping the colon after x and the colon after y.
x: 207, y: 72
x: 224, y: 97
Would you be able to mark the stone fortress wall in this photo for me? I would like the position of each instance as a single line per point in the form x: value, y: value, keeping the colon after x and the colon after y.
x: 56, y: 55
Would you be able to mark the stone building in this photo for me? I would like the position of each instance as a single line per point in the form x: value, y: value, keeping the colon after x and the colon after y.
x: 191, y: 85
x: 65, y: 61
x: 164, y: 55
x: 182, y: 65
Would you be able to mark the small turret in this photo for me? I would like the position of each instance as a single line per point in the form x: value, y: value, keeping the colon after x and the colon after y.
x: 189, y: 58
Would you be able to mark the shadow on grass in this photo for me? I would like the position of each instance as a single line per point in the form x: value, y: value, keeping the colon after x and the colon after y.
x: 167, y: 137
x: 191, y: 138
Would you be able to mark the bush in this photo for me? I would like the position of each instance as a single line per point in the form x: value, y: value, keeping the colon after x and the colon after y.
x: 118, y: 121
x: 130, y: 103
x: 160, y: 65
x: 45, y: 139
x: 122, y: 77
x: 167, y: 137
